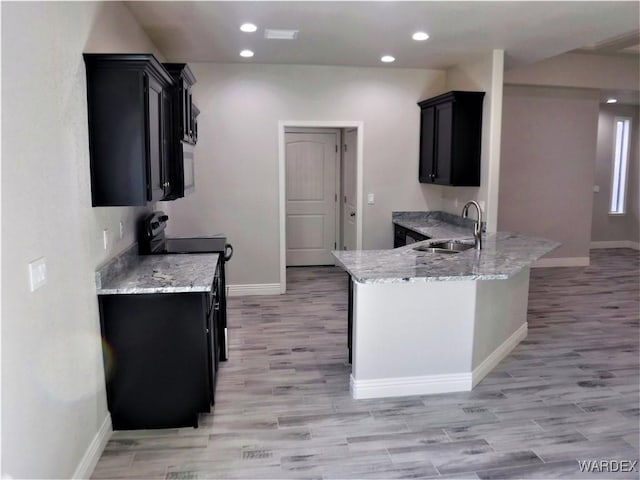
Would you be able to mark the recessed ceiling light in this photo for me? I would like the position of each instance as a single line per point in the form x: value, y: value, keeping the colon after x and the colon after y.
x: 387, y: 59
x: 246, y: 53
x: 419, y: 36
x: 612, y: 100
x: 248, y: 27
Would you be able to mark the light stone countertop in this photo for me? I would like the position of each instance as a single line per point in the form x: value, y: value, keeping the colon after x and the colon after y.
x: 435, y: 224
x: 170, y: 273
x: 503, y: 255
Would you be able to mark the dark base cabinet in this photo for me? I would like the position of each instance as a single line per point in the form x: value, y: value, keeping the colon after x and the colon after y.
x: 403, y: 236
x: 160, y: 358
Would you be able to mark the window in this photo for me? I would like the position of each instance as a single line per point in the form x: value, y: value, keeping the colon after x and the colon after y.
x: 622, y: 132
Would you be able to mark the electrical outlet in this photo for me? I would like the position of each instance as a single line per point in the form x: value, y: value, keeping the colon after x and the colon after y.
x: 370, y: 199
x: 121, y: 230
x: 105, y: 238
x: 37, y: 274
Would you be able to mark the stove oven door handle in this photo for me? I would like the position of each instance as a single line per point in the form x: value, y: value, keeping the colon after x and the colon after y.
x: 228, y: 252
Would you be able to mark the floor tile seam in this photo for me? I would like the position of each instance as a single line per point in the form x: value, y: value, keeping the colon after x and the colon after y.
x: 546, y: 402
x: 155, y: 449
x: 541, y: 457
x: 524, y: 466
x: 498, y: 468
x: 594, y: 438
x: 130, y: 463
x: 428, y: 461
x: 551, y: 432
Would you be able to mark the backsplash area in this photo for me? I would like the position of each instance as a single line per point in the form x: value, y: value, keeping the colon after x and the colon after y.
x: 446, y: 217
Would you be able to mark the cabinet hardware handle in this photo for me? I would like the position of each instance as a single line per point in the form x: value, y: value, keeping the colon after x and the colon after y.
x: 352, y: 214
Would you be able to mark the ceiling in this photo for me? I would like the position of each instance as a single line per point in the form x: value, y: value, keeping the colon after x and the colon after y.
x: 358, y: 33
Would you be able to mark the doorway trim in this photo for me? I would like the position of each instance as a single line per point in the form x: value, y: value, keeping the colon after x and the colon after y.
x: 282, y: 126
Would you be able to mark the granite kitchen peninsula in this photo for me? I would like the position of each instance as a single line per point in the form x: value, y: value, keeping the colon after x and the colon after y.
x: 427, y: 322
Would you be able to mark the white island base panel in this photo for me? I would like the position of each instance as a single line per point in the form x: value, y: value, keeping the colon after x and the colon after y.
x: 418, y: 338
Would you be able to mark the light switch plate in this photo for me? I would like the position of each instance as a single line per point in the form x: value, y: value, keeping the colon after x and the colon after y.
x: 370, y: 199
x: 37, y: 274
x: 596, y: 188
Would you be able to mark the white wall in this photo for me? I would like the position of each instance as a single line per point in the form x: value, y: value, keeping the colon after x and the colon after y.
x: 53, y: 399
x: 606, y: 72
x: 482, y: 74
x: 547, y: 166
x: 237, y: 152
x: 605, y: 227
x: 501, y: 310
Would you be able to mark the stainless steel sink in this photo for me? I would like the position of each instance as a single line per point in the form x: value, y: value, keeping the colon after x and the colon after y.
x: 449, y: 246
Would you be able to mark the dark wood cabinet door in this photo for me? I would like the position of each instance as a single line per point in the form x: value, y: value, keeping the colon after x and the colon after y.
x: 160, y: 378
x: 427, y: 144
x: 403, y: 236
x: 128, y: 111
x: 444, y: 131
x: 168, y: 147
x: 184, y: 114
x: 450, y: 137
x: 190, y: 116
x: 398, y: 236
x: 155, y: 141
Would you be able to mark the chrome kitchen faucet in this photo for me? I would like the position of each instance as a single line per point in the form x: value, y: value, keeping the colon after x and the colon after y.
x: 477, y: 228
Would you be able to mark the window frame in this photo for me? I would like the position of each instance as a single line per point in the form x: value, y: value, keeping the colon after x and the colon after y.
x: 621, y: 180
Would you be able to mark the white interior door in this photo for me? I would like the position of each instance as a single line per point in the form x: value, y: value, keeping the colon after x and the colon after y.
x: 349, y: 190
x: 311, y: 197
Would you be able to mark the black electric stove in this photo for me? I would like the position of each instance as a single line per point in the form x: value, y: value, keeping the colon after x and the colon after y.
x: 153, y: 241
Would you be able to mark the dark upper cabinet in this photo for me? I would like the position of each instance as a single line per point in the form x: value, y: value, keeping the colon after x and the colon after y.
x: 185, y: 131
x: 195, y: 111
x: 130, y: 128
x: 450, y: 139
x: 183, y: 100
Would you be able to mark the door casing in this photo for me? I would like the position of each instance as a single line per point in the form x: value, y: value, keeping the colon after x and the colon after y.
x: 347, y: 205
x: 287, y: 124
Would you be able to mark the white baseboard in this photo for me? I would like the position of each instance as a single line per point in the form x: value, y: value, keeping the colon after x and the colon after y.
x: 255, y: 289
x: 405, y: 386
x: 94, y: 450
x: 615, y: 244
x: 561, y: 262
x: 498, y: 354
x: 432, y: 384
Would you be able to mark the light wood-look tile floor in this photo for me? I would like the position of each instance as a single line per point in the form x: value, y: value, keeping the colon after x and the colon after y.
x: 568, y: 392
